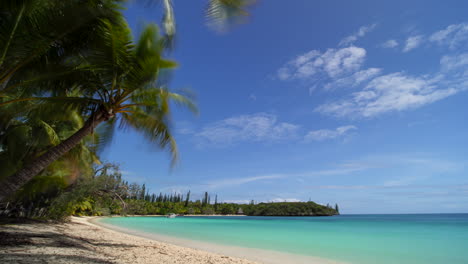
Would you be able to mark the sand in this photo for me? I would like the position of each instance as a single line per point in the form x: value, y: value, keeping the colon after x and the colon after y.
x: 82, y: 242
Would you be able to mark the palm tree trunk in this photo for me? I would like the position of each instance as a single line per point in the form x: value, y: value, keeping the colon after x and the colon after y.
x: 13, y: 183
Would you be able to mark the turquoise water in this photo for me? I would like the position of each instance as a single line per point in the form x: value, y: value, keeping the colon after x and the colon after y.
x: 360, y: 239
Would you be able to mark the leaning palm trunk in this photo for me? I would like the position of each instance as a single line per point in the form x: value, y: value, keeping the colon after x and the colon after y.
x: 12, y: 184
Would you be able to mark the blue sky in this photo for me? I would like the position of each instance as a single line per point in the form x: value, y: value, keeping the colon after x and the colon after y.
x: 360, y: 103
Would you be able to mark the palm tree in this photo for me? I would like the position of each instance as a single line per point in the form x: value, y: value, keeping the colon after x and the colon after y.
x: 52, y: 46
x: 121, y: 88
x: 36, y: 32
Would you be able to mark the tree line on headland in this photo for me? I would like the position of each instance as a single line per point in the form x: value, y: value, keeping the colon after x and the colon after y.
x: 108, y: 194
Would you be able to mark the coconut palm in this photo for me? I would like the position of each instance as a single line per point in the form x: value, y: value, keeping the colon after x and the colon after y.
x: 120, y: 89
x: 57, y: 46
x: 36, y: 32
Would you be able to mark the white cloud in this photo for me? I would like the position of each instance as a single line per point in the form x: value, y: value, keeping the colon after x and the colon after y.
x: 450, y: 63
x: 246, y: 128
x: 452, y: 36
x: 381, y: 93
x: 343, y: 60
x: 359, y: 34
x: 391, y: 43
x: 413, y: 42
x: 391, y: 92
x: 324, y: 134
x: 365, y: 75
x: 354, y: 79
x: 334, y: 62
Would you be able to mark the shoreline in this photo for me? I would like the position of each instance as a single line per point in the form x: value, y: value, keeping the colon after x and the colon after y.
x: 251, y: 254
x: 80, y: 241
x: 86, y: 240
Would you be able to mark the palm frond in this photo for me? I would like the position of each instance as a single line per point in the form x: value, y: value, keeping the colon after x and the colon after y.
x: 221, y: 14
x: 104, y: 135
x: 160, y: 97
x: 43, y: 29
x: 46, y: 134
x: 169, y: 23
x: 154, y: 126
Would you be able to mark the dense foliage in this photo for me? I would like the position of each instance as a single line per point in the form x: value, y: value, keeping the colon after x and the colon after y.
x: 108, y: 194
x: 68, y: 66
x: 289, y: 209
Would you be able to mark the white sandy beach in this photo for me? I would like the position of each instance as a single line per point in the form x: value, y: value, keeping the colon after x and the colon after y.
x: 82, y: 241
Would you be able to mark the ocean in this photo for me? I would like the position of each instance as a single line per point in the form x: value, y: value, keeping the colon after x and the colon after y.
x: 359, y: 239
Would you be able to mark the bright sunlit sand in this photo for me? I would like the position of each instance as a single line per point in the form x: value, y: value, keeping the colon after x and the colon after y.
x: 82, y: 242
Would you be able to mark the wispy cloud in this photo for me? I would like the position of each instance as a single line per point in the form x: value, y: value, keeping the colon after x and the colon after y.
x: 398, y: 91
x: 359, y: 34
x: 455, y: 62
x: 452, y: 36
x: 333, y: 63
x: 391, y: 92
x: 380, y: 93
x: 413, y: 42
x: 260, y: 127
x: 354, y: 79
x: 391, y: 43
x: 324, y: 134
x: 342, y: 169
x: 243, y: 180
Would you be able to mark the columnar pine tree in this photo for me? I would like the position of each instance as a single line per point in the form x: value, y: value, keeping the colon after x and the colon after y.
x: 216, y: 203
x: 143, y: 192
x: 187, y: 199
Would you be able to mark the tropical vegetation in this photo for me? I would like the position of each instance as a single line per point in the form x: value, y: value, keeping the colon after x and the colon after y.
x: 68, y: 66
x: 107, y: 193
x: 71, y: 73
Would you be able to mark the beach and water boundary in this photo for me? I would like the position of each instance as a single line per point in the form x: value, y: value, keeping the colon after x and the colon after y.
x: 361, y: 239
x: 254, y: 254
x: 389, y: 239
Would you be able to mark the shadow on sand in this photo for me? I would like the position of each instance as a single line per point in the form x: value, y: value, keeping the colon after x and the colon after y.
x: 20, y: 243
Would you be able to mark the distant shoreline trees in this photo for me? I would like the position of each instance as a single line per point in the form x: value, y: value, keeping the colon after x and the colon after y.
x: 108, y: 194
